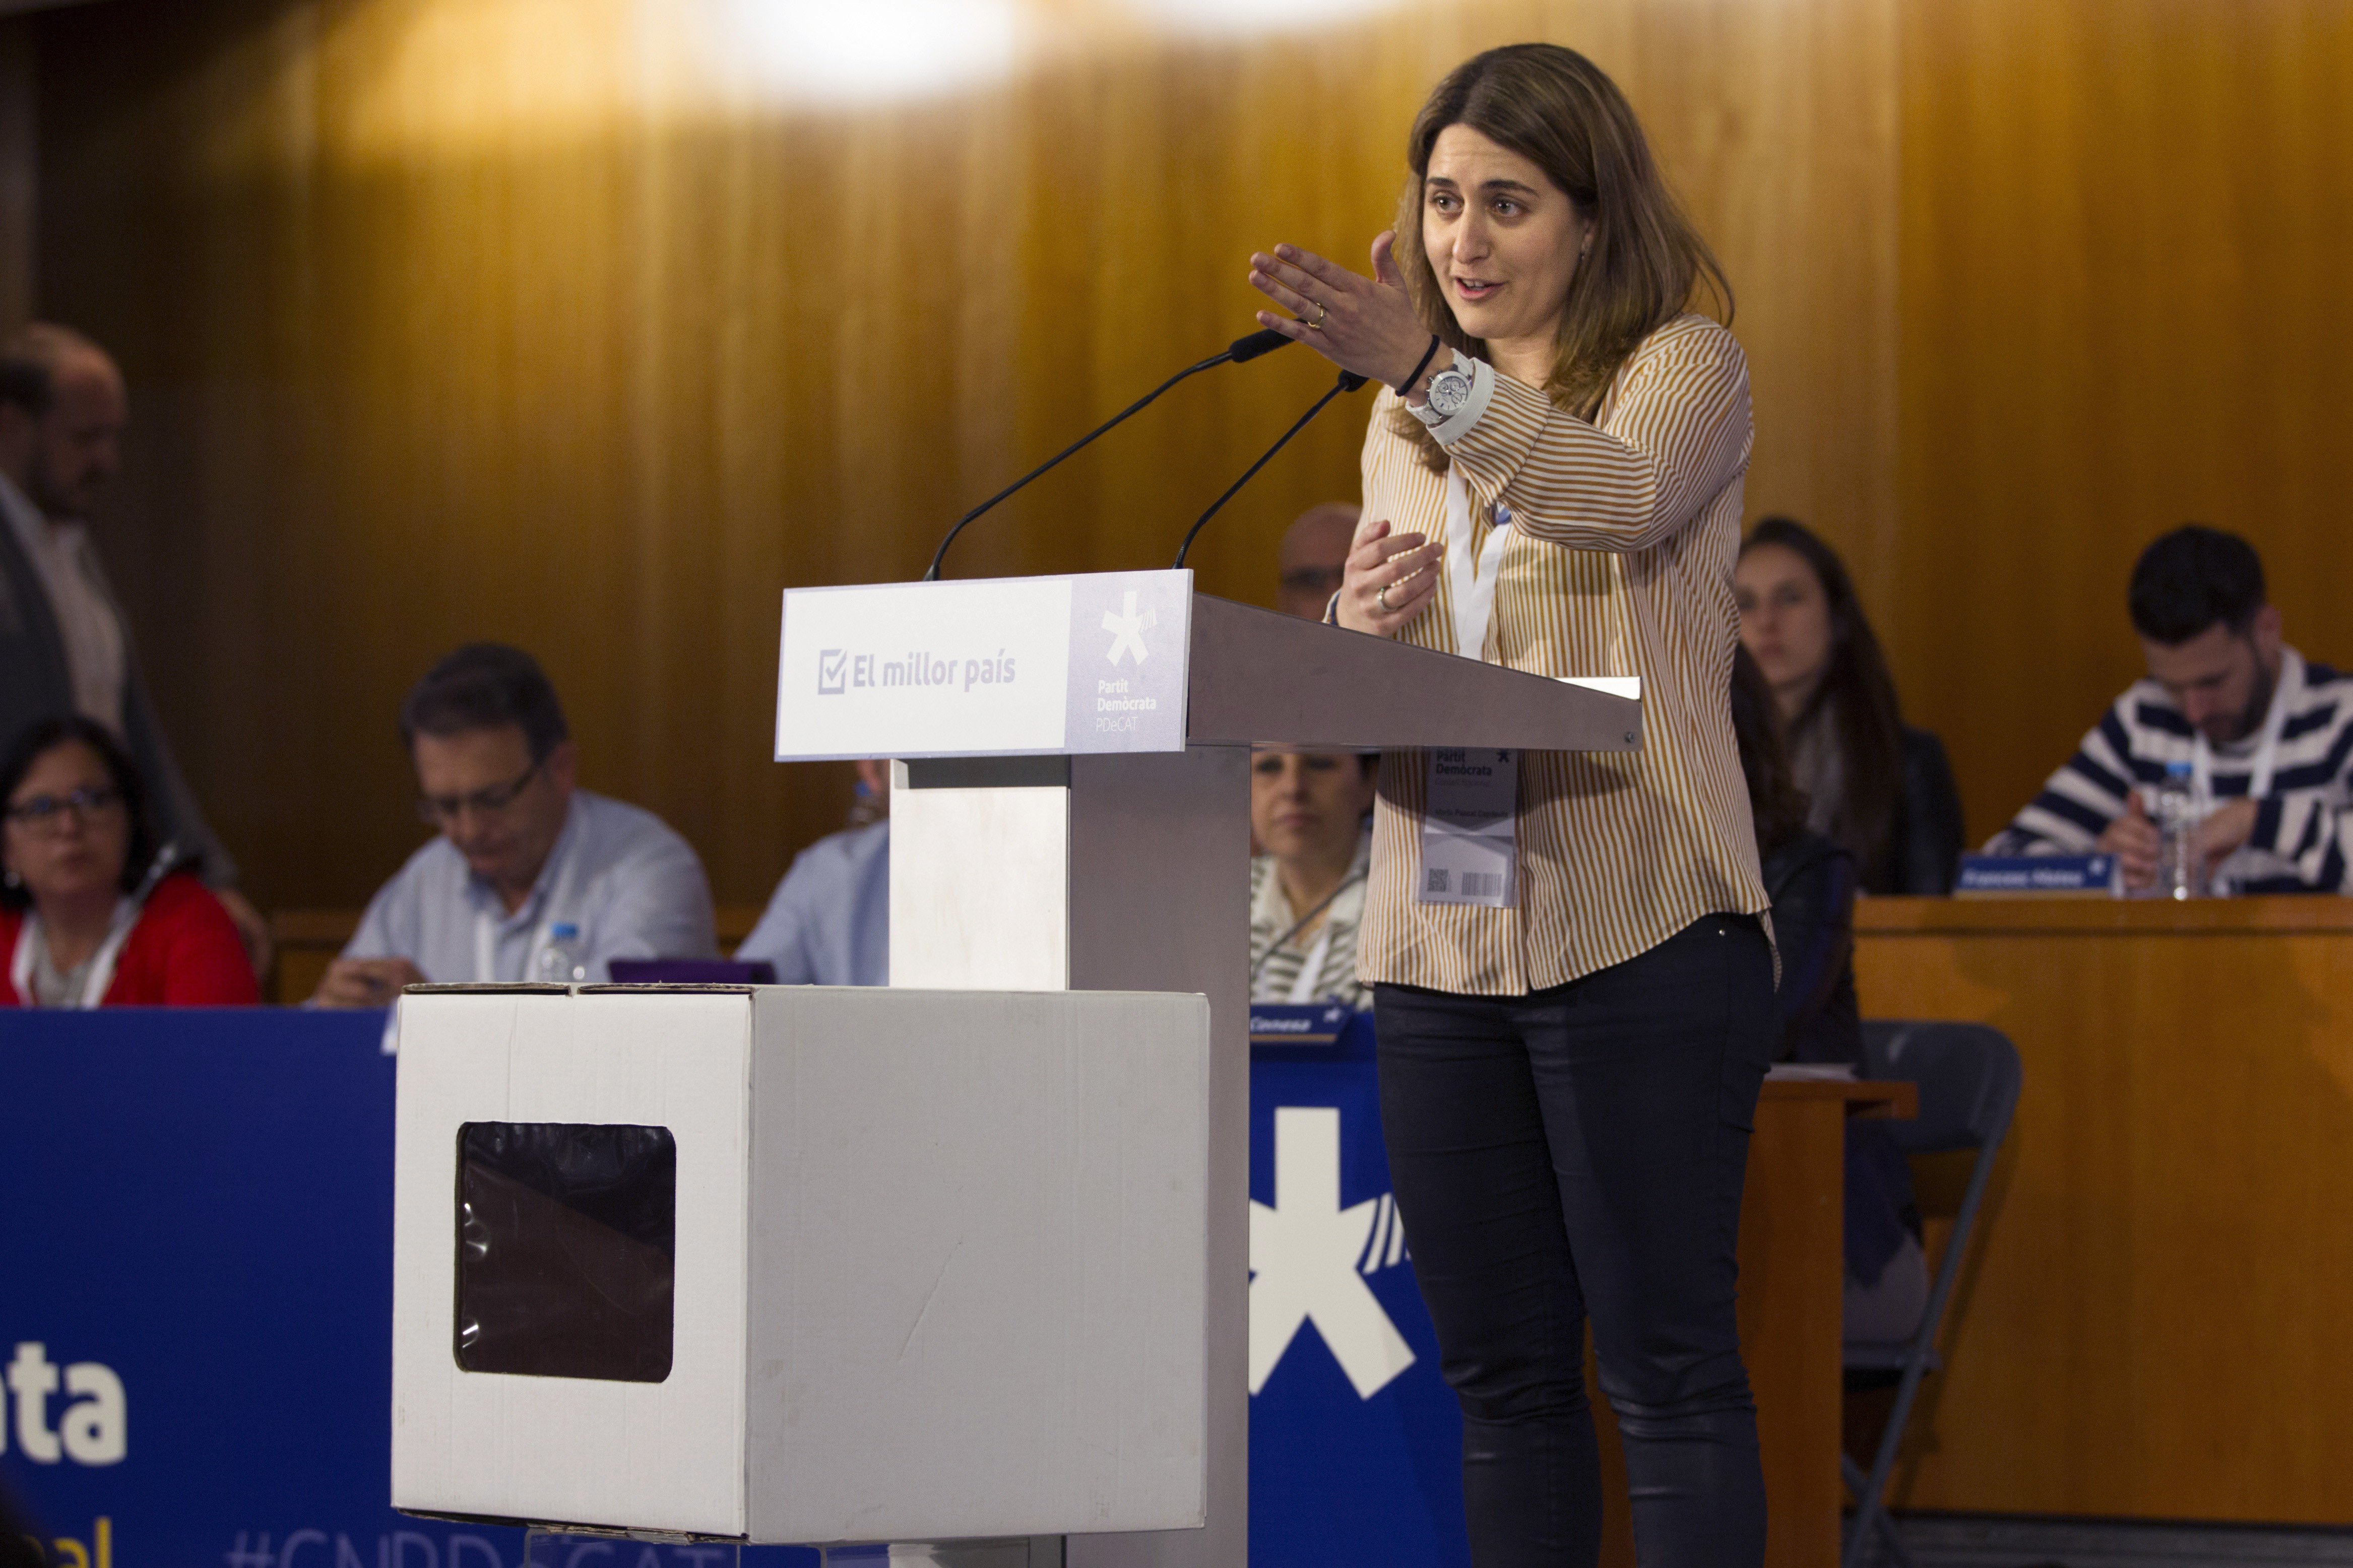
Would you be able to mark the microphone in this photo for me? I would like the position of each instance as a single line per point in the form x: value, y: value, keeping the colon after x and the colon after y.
x: 1263, y: 341
x: 1349, y: 382
x: 1240, y: 352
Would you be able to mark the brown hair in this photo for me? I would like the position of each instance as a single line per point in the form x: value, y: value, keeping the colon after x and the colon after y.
x: 1857, y: 695
x: 1560, y: 111
x: 485, y: 686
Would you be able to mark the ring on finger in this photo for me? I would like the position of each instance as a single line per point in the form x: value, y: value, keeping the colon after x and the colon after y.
x: 1322, y: 315
x: 1381, y: 597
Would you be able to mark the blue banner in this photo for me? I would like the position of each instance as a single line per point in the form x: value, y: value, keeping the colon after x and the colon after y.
x: 195, y: 1307
x: 1355, y: 1440
x: 199, y: 1234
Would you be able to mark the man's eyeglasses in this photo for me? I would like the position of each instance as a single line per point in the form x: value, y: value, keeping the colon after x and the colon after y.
x: 445, y: 808
x: 46, y: 813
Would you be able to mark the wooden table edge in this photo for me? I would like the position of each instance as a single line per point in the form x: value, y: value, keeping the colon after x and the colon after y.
x: 2273, y: 914
x: 1874, y: 1097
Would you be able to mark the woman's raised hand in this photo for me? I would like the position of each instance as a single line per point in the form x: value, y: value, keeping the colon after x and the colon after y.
x: 1387, y: 579
x: 1364, y: 324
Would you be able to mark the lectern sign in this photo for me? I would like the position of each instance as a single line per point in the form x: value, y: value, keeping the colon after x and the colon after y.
x: 993, y: 666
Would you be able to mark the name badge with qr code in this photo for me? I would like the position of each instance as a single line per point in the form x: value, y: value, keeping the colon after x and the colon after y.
x: 1470, y: 831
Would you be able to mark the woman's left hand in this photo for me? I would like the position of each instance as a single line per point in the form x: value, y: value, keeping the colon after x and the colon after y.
x: 1363, y: 324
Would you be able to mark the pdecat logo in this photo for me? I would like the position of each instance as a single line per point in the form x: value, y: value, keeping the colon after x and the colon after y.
x: 91, y: 1426
x: 1127, y: 626
x: 1309, y: 1258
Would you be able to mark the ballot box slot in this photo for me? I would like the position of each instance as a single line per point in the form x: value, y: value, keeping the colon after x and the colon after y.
x: 566, y: 1249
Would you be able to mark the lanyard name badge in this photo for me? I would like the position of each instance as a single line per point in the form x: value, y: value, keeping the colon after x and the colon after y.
x: 1470, y: 826
x: 1304, y: 988
x: 101, y: 973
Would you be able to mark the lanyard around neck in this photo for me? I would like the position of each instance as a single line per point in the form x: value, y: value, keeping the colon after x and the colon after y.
x: 1302, y: 984
x: 2258, y: 784
x: 1470, y: 581
x: 1323, y: 946
x: 32, y: 936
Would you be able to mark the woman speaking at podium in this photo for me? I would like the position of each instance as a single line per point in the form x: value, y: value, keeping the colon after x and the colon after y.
x: 1573, y: 985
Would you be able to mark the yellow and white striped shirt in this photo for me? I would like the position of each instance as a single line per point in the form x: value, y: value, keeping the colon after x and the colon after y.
x: 1619, y: 563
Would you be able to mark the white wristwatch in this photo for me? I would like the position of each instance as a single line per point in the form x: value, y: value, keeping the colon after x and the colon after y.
x: 1448, y: 394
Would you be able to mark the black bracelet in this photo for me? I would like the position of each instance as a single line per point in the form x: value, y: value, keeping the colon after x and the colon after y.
x: 1419, y: 368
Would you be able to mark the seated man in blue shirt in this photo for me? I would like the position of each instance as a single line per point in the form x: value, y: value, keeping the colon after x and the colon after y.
x: 829, y: 920
x: 521, y: 850
x: 2265, y: 733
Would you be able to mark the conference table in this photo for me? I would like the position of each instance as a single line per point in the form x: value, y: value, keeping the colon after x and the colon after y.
x: 2154, y: 1322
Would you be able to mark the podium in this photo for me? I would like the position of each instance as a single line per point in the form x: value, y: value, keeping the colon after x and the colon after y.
x: 1094, y: 833
x: 1070, y: 805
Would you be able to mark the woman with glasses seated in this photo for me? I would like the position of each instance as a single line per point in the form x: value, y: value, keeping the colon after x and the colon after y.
x: 92, y: 912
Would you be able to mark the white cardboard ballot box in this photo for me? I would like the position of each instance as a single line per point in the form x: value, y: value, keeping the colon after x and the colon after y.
x: 803, y: 1263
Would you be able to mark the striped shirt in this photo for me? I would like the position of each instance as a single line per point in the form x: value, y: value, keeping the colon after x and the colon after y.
x: 1277, y: 966
x: 2303, y: 826
x: 1619, y: 562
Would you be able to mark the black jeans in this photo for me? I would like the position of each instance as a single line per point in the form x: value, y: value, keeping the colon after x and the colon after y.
x: 1579, y: 1152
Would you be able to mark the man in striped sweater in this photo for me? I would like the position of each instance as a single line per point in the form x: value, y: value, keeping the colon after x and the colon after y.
x: 2267, y: 735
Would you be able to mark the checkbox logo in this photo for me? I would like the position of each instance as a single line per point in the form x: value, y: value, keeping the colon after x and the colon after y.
x: 832, y: 671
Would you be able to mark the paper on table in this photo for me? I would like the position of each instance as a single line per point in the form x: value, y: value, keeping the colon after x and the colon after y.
x: 1810, y: 1072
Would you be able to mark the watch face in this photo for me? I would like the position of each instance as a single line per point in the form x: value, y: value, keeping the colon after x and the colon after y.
x: 1449, y: 390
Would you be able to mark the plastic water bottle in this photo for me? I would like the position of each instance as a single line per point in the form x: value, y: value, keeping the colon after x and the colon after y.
x: 2179, y: 874
x: 559, y: 961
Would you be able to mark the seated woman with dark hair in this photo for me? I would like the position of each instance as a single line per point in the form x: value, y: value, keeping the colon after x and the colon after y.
x: 1882, y: 790
x: 1811, y: 882
x: 92, y: 912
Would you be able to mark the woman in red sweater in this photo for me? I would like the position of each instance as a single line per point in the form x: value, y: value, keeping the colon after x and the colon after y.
x: 92, y: 914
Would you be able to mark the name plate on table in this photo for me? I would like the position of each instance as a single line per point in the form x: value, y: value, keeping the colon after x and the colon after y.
x: 988, y: 666
x: 2012, y: 875
x: 1298, y: 1024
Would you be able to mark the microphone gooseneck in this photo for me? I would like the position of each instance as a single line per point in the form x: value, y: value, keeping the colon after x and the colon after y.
x: 1263, y: 341
x: 1240, y: 351
x: 1349, y: 382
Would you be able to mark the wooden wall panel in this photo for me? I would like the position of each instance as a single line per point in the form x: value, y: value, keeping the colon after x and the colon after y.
x: 2123, y: 231
x: 500, y: 318
x: 18, y: 163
